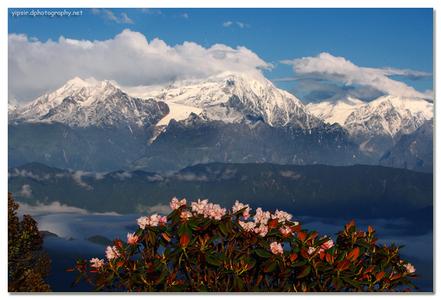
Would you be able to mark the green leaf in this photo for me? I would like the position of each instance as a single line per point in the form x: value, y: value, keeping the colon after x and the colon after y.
x: 351, y: 282
x: 229, y: 226
x: 299, y: 263
x: 223, y: 228
x: 270, y: 266
x: 184, y: 229
x: 262, y: 253
x: 212, y: 260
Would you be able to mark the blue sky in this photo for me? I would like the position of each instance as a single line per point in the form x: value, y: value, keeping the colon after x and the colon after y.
x: 373, y: 38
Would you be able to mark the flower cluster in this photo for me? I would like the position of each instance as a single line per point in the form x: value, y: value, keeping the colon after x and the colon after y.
x: 112, y: 252
x: 285, y: 230
x: 132, y: 238
x: 153, y: 221
x: 208, y: 210
x: 276, y: 248
x: 262, y: 217
x: 186, y: 215
x: 247, y: 226
x: 410, y: 268
x: 175, y: 203
x: 281, y: 216
x: 96, y: 263
x: 323, y: 247
x: 239, y: 206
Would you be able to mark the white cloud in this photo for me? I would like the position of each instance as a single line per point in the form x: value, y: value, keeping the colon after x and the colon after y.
x: 26, y: 191
x: 24, y: 173
x: 239, y: 24
x: 188, y: 176
x: 56, y: 208
x: 129, y: 58
x: 151, y: 11
x: 157, y: 208
x: 339, y: 69
x: 155, y: 178
x: 290, y: 174
x: 77, y: 177
x: 123, y: 175
x: 242, y: 25
x: 122, y: 18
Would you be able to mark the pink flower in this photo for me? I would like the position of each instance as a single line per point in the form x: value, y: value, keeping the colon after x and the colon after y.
x: 112, y: 252
x: 214, y: 211
x: 276, y: 248
x: 153, y: 221
x: 175, y: 203
x: 199, y: 206
x: 281, y: 216
x: 96, y: 263
x: 209, y: 210
x: 132, y: 238
x: 410, y: 268
x: 246, y: 213
x: 239, y: 206
x: 247, y: 226
x: 285, y: 230
x: 327, y: 245
x: 163, y: 220
x: 261, y: 216
x: 311, y: 250
x: 142, y: 222
x: 185, y: 215
x: 262, y: 230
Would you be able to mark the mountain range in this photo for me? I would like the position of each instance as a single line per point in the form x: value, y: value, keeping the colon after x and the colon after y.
x: 233, y: 118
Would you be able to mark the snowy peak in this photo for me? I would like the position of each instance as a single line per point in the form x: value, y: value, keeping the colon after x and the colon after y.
x: 232, y: 98
x: 412, y: 105
x: 82, y: 103
x: 82, y: 90
x: 334, y: 112
x: 389, y: 115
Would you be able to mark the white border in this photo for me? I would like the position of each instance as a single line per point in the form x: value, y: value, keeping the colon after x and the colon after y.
x: 4, y: 4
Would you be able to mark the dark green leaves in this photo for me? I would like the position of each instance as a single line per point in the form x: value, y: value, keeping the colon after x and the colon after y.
x: 262, y: 253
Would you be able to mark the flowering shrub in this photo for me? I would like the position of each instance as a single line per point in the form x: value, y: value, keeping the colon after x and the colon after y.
x: 204, y: 247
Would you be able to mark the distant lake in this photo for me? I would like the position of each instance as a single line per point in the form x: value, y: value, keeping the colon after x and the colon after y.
x: 74, y: 228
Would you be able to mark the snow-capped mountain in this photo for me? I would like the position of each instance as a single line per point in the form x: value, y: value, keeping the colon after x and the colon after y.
x: 83, y: 103
x: 335, y: 112
x: 389, y: 115
x: 232, y: 98
x: 229, y: 117
x: 12, y: 111
x: 386, y: 116
x: 228, y: 97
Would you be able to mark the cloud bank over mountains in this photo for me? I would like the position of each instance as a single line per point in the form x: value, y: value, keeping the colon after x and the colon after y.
x: 331, y: 73
x: 129, y: 58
